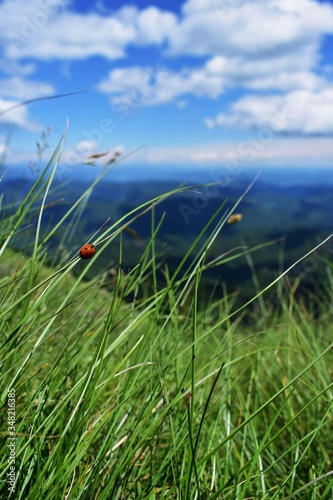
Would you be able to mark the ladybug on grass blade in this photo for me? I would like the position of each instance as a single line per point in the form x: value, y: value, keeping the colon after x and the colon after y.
x: 87, y: 251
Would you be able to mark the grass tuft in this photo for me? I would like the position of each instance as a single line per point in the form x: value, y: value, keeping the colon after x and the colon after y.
x: 139, y: 392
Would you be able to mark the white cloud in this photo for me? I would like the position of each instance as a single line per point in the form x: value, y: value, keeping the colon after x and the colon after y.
x: 20, y: 88
x: 287, y: 81
x: 253, y: 151
x: 286, y: 73
x: 258, y: 36
x: 154, y: 25
x: 297, y: 112
x: 138, y: 86
x: 125, y: 79
x: 85, y: 146
x: 17, y: 117
x: 47, y: 30
x: 135, y: 86
x: 261, y: 28
x: 270, y: 45
x: 35, y: 29
x: 258, y: 45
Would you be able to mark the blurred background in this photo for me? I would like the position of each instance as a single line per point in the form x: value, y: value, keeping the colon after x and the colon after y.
x: 177, y: 93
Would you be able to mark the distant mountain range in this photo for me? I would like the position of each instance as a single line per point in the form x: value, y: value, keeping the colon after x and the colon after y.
x: 295, y: 210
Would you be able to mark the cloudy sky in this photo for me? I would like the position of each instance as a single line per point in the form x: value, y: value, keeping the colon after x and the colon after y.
x: 197, y: 82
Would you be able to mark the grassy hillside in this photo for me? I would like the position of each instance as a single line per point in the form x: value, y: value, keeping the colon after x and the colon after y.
x: 292, y: 220
x: 123, y: 386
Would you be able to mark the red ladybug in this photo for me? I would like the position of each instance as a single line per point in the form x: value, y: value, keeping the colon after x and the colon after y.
x: 87, y: 251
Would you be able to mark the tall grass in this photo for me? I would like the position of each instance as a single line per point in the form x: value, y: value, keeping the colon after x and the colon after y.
x: 142, y: 393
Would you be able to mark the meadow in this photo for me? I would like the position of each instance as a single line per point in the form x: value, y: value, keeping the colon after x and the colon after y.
x: 126, y: 386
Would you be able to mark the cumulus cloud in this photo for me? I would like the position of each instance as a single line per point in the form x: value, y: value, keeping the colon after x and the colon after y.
x: 259, y: 32
x: 251, y: 45
x: 138, y: 86
x: 256, y: 45
x: 49, y: 30
x: 23, y: 89
x: 285, y: 73
x: 231, y: 28
x: 248, y: 43
x: 17, y: 117
x: 153, y: 25
x: 73, y: 36
x: 46, y: 30
x: 253, y: 27
x: 135, y: 86
x: 297, y: 112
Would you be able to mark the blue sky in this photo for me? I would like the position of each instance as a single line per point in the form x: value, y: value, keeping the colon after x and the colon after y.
x: 199, y: 83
